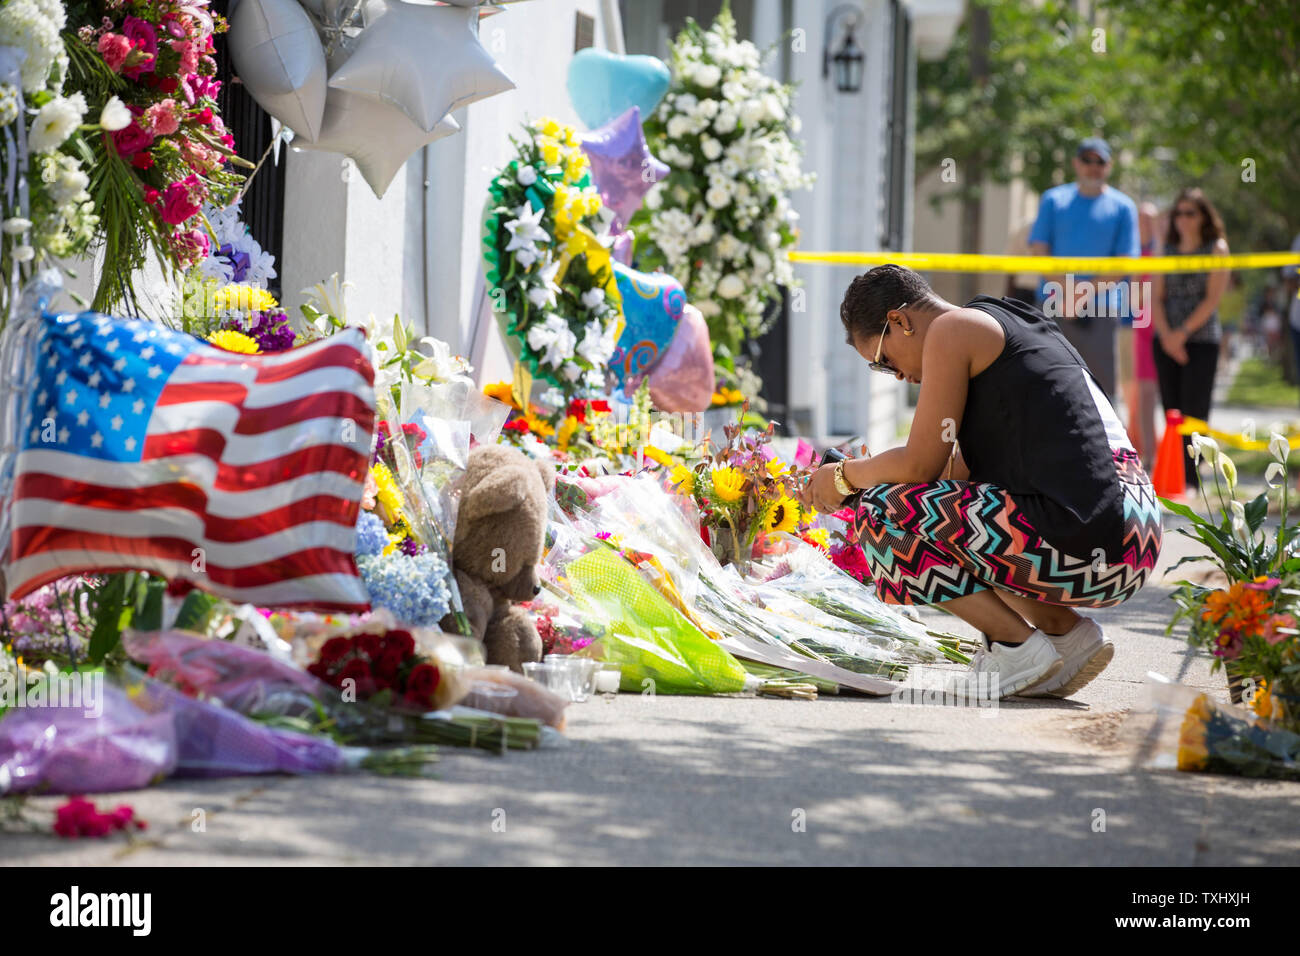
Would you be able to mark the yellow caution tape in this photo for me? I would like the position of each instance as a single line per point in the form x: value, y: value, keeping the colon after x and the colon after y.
x: 1052, y: 265
x: 1232, y: 439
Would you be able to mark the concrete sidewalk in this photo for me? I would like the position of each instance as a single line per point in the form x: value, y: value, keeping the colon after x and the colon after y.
x: 660, y: 780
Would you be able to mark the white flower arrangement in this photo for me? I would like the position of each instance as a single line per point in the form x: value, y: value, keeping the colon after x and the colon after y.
x: 722, y: 222
x: 54, y: 218
x: 235, y: 256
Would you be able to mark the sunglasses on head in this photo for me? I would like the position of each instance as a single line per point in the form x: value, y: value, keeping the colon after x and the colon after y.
x: 1091, y: 160
x: 1178, y: 213
x: 877, y: 365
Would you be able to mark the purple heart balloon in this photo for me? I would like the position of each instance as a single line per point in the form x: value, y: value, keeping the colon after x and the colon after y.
x: 621, y: 165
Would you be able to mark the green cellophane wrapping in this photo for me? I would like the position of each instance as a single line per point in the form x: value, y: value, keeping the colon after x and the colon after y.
x: 646, y: 635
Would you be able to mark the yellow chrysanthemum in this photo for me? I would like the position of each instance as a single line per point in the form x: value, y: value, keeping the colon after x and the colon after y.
x: 783, y: 516
x: 548, y: 126
x: 233, y: 341
x: 245, y: 298
x: 550, y: 150
x: 502, y: 392
x: 683, y: 478
x: 727, y: 396
x: 574, y: 166
x: 571, y: 136
x: 389, y: 496
x: 655, y: 455
x: 728, y: 484
x: 819, y: 536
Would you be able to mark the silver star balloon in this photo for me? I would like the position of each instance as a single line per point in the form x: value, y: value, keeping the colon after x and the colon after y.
x: 278, y: 58
x: 424, y: 60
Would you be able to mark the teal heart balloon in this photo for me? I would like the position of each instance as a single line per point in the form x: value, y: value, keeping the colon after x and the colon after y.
x: 603, y: 85
x: 652, y: 309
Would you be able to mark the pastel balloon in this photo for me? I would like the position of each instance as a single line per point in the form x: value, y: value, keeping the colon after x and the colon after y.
x: 424, y: 60
x: 621, y: 250
x: 379, y: 138
x: 683, y: 378
x: 602, y: 85
x: 652, y: 307
x: 279, y: 59
x: 621, y: 164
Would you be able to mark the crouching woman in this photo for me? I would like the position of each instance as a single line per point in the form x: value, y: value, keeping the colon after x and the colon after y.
x: 1017, y: 497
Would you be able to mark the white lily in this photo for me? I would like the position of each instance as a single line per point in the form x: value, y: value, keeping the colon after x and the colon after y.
x: 327, y: 297
x: 543, y: 295
x: 441, y: 365
x: 1275, y: 470
x: 1229, y: 469
x: 1239, y: 529
x: 1205, y: 447
x: 526, y: 230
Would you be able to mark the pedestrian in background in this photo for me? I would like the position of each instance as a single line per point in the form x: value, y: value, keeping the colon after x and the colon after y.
x: 1185, y: 314
x: 1088, y: 218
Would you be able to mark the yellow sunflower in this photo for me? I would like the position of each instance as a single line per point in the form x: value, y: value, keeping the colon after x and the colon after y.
x: 728, y: 484
x: 502, y: 392
x: 655, y: 455
x: 233, y: 341
x: 684, y: 479
x: 776, y: 468
x: 783, y: 516
x: 567, y: 428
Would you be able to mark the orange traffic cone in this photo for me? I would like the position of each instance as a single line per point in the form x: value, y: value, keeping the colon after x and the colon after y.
x: 1168, y: 477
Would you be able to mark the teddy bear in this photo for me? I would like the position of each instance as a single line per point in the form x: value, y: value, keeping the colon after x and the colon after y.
x: 500, y: 532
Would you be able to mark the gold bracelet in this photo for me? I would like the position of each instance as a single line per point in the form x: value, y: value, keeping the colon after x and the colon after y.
x: 842, y: 484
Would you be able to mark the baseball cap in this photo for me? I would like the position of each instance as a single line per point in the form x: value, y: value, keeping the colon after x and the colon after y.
x: 1094, y: 144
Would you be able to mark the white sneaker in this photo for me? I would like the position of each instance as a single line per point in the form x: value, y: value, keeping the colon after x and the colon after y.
x: 1085, y: 651
x: 1000, y: 670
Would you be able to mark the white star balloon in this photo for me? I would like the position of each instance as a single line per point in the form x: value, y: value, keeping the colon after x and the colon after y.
x: 279, y: 59
x: 425, y: 60
x: 379, y: 138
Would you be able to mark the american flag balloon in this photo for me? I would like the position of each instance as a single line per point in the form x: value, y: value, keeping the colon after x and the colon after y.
x: 139, y: 447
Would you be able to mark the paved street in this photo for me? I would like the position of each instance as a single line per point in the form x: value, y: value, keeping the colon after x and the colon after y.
x: 720, y: 781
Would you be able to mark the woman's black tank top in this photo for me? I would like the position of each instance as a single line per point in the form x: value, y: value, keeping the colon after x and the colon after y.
x: 1037, y: 424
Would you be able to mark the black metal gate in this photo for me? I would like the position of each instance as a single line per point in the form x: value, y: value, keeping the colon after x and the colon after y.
x: 263, y: 205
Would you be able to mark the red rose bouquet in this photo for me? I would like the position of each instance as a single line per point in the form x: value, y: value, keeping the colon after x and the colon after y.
x: 380, y: 664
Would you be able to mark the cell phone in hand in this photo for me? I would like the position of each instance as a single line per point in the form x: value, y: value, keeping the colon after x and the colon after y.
x: 833, y: 455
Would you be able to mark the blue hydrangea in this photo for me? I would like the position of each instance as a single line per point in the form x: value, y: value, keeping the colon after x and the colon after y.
x: 413, y: 588
x: 371, y: 537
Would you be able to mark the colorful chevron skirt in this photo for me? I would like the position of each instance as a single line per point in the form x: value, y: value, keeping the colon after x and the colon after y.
x: 933, y: 541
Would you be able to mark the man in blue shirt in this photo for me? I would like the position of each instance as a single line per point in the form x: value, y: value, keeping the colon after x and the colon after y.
x: 1087, y: 218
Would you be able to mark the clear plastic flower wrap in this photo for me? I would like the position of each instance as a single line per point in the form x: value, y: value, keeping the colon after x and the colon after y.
x: 427, y: 512
x: 255, y: 684
x: 1195, y: 733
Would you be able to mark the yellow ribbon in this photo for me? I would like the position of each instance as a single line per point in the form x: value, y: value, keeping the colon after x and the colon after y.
x: 1231, y: 439
x: 1052, y: 265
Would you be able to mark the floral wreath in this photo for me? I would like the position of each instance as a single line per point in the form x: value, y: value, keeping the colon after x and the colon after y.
x: 547, y: 253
